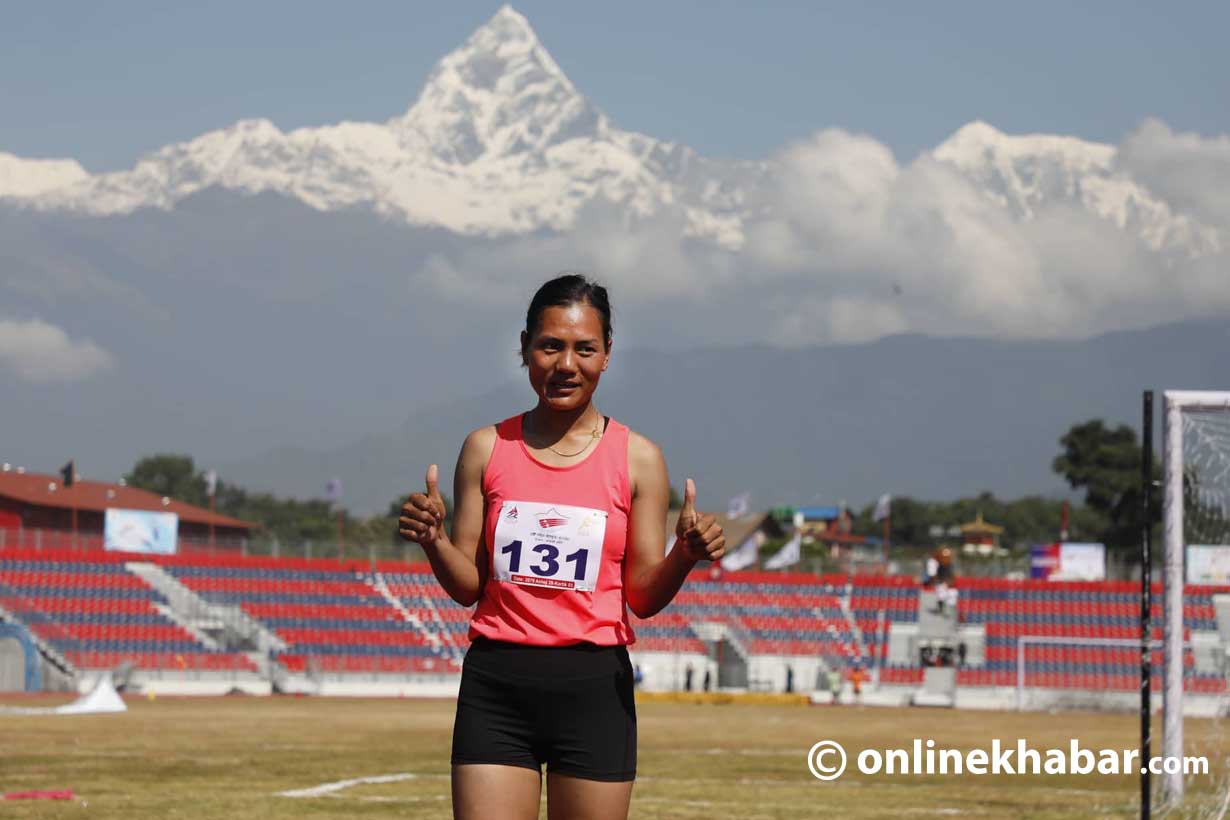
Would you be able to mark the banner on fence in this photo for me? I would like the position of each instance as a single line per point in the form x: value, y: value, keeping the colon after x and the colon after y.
x: 1208, y: 564
x: 143, y: 531
x: 1068, y: 561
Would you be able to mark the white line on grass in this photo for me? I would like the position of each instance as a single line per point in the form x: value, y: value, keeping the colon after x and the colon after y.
x: 336, y: 786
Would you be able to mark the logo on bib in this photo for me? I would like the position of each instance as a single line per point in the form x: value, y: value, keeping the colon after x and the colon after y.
x: 552, y: 518
x: 511, y: 515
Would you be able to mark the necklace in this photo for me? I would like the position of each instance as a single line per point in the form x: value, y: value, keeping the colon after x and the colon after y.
x: 594, y: 435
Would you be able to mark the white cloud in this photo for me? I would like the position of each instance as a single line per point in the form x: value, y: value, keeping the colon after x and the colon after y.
x: 848, y: 245
x: 1189, y: 171
x: 41, y: 352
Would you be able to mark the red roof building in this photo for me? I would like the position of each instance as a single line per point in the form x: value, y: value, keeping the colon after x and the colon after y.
x: 38, y: 502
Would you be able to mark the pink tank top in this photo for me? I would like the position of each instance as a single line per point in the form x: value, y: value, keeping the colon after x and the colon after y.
x: 555, y: 538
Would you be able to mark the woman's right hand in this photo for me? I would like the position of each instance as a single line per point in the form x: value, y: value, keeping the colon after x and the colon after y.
x: 422, y: 516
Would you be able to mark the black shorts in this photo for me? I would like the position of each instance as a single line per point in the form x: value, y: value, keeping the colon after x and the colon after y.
x: 570, y: 707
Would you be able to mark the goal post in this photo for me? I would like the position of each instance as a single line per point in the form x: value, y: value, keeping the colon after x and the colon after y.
x: 1196, y: 458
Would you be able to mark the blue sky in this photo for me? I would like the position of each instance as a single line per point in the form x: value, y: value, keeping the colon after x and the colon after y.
x: 106, y: 83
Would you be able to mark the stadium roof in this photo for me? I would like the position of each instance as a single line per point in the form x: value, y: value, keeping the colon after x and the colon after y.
x: 819, y: 513
x: 41, y: 490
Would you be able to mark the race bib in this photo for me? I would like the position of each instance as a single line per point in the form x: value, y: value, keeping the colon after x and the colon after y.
x: 549, y: 545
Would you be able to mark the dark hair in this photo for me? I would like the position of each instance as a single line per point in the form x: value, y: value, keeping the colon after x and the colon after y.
x: 563, y: 291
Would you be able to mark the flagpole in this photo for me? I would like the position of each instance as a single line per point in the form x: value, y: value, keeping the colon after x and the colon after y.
x: 341, y: 543
x: 888, y: 528
x: 211, y: 490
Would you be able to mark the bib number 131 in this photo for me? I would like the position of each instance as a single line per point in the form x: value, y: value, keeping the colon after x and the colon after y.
x: 549, y: 565
x: 552, y: 546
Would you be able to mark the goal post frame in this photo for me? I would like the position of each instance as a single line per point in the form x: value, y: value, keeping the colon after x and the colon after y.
x: 1176, y: 403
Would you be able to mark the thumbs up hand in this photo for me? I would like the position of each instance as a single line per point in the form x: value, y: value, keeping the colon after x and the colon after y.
x: 422, y: 516
x: 698, y: 533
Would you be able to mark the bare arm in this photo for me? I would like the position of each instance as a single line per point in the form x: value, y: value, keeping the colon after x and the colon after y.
x: 652, y: 577
x: 460, y: 562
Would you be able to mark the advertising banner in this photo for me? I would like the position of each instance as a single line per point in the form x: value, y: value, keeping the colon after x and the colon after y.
x: 1208, y: 564
x: 143, y: 531
x: 1068, y: 561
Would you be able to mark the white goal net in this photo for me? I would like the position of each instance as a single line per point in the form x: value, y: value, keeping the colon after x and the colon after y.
x: 1196, y: 517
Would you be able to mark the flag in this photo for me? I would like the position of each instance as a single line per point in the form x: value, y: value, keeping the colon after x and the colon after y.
x: 883, y: 508
x: 738, y: 506
x: 744, y: 556
x: 789, y: 555
x: 211, y: 483
x: 333, y: 490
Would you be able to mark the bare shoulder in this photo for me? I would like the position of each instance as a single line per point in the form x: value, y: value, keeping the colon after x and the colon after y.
x: 481, y: 440
x: 641, y: 449
x: 645, y: 460
x: 477, y: 448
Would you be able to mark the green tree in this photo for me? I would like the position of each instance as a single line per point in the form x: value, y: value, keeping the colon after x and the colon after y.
x: 170, y: 474
x: 1106, y: 463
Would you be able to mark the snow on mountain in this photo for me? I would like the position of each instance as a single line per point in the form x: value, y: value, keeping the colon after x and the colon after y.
x: 1025, y: 173
x: 32, y: 177
x: 499, y: 141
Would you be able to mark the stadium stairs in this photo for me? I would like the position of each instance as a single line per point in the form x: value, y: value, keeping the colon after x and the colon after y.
x: 56, y: 672
x: 89, y: 610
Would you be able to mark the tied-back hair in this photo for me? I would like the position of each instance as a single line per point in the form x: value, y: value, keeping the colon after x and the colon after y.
x: 566, y: 290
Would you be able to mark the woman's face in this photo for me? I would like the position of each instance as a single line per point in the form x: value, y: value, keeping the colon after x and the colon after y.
x: 566, y: 355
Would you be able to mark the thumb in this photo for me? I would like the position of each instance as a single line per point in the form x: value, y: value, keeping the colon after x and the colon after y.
x: 433, y: 481
x: 687, y: 513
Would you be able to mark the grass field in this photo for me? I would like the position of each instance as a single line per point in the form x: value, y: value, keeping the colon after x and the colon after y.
x: 230, y: 757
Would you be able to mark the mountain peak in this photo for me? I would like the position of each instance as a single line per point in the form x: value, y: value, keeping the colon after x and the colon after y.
x: 499, y: 94
x: 509, y: 25
x: 978, y: 142
x: 31, y: 177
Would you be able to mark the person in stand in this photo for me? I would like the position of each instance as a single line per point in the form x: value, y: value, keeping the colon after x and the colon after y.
x: 939, y: 575
x: 559, y: 528
x: 857, y: 676
x: 835, y: 685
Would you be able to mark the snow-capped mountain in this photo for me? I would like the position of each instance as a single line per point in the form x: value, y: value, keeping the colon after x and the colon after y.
x: 1025, y: 173
x: 500, y: 142
x: 31, y: 177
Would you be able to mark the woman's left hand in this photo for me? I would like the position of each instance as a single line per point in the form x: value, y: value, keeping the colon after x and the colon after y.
x: 698, y: 533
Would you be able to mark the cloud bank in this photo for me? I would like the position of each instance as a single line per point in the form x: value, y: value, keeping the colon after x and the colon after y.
x: 40, y: 352
x: 847, y: 244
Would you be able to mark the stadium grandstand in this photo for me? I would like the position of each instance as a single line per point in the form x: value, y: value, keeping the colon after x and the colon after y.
x: 201, y: 622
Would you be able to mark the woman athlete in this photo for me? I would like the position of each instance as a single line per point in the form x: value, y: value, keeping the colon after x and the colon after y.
x: 560, y: 520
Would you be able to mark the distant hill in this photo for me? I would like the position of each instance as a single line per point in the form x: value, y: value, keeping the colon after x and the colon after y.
x: 928, y: 417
